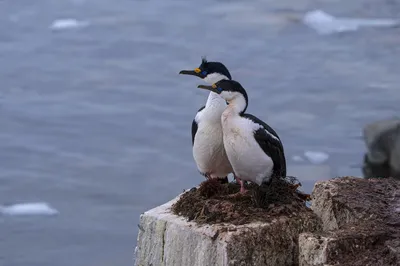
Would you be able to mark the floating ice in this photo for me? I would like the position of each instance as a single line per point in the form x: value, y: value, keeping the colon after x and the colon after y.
x: 61, y: 24
x: 297, y: 158
x: 323, y: 23
x: 32, y: 208
x: 316, y: 157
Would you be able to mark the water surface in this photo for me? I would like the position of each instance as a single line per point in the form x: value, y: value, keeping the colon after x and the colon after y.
x: 96, y: 120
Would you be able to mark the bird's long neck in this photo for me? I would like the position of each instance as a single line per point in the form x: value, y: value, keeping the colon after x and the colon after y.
x: 238, y: 105
x: 214, y: 108
x: 214, y: 100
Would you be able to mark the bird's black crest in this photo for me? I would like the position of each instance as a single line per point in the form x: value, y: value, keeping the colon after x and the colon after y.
x: 213, y: 67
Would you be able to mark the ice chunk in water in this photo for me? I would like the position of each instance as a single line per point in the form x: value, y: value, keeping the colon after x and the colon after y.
x: 316, y: 157
x: 324, y: 23
x: 32, y: 208
x: 69, y: 23
x: 297, y: 158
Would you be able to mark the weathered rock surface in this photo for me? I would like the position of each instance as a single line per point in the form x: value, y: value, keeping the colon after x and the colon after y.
x: 355, y: 222
x: 382, y: 139
x: 361, y: 221
x: 167, y: 239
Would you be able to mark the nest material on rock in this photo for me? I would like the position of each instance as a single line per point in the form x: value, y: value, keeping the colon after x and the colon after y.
x: 214, y: 202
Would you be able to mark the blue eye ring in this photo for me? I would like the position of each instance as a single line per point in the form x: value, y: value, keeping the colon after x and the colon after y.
x: 204, y: 73
x: 219, y: 89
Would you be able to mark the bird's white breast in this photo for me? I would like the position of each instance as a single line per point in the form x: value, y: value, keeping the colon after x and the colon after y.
x: 248, y: 160
x: 208, y: 148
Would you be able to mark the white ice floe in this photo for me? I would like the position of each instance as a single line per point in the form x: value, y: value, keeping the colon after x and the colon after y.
x: 316, y: 157
x: 69, y: 23
x: 297, y: 158
x: 324, y: 23
x: 31, y: 208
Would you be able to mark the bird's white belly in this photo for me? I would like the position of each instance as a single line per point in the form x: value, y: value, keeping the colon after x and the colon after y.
x: 209, y: 152
x: 248, y: 160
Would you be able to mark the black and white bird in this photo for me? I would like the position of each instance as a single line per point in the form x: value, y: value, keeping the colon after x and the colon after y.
x: 253, y: 148
x: 207, y: 138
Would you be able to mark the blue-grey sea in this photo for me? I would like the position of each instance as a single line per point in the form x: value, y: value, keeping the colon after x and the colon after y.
x: 95, y: 120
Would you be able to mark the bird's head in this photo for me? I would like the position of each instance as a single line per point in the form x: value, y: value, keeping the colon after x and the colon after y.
x: 230, y: 90
x: 210, y: 72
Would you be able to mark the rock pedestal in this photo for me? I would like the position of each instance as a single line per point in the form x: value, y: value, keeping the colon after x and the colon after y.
x: 354, y: 222
x: 360, y: 218
x: 167, y: 239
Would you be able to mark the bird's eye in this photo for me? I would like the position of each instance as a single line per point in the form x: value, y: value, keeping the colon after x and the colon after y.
x: 219, y: 89
x: 204, y: 73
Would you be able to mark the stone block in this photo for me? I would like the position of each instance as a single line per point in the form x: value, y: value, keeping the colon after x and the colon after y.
x: 360, y: 221
x: 170, y: 240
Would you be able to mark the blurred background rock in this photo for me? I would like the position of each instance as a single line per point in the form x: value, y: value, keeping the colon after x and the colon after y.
x: 382, y: 139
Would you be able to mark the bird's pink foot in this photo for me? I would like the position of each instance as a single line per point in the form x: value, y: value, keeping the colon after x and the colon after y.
x: 236, y: 178
x: 242, y: 189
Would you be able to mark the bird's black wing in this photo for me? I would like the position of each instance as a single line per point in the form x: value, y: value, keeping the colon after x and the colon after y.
x: 270, y: 145
x: 194, y: 126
